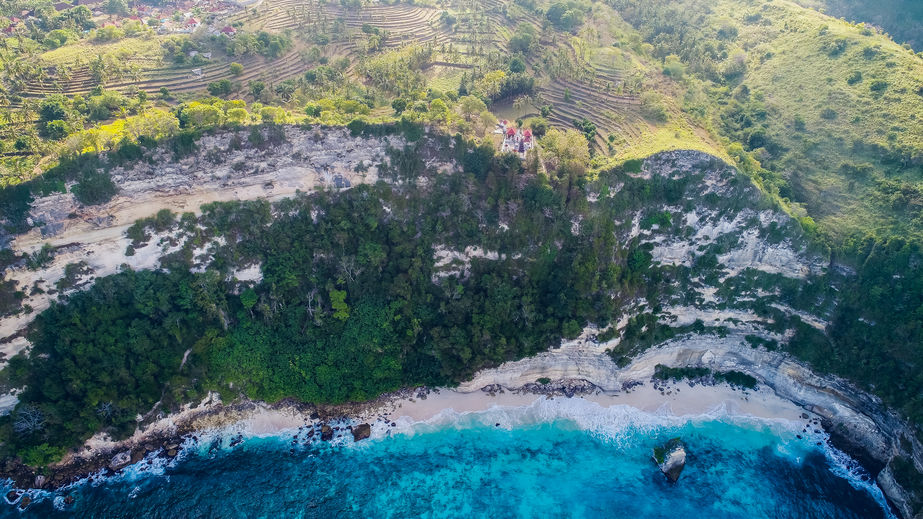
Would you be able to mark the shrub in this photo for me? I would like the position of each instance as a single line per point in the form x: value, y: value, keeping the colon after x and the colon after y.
x: 356, y: 126
x: 96, y: 187
x: 828, y: 114
x: 220, y: 88
x: 879, y: 85
x: 632, y: 166
x: 236, y: 69
x: 653, y: 107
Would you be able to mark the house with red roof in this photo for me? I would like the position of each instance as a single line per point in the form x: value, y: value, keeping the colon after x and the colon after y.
x: 515, y: 140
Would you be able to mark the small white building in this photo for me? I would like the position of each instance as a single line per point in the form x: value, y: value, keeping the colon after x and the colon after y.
x: 515, y: 140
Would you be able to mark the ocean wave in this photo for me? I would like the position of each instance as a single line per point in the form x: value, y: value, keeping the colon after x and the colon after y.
x: 620, y: 426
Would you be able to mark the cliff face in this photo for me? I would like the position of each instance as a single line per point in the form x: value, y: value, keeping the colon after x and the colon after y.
x: 740, y: 278
x: 221, y: 169
x: 736, y: 276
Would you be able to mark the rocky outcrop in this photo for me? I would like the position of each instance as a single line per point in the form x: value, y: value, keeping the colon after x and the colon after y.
x: 120, y: 460
x: 900, y: 498
x: 361, y: 431
x: 671, y: 459
x: 326, y: 433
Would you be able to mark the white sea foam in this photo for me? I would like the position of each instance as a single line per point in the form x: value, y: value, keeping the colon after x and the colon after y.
x: 620, y: 425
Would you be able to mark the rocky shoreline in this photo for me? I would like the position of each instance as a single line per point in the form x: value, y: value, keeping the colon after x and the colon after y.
x: 322, y: 422
x: 165, y: 439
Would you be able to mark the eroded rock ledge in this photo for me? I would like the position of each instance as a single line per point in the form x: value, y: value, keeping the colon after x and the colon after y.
x: 858, y: 422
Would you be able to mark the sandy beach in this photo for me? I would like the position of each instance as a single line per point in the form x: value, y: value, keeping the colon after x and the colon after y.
x: 677, y: 399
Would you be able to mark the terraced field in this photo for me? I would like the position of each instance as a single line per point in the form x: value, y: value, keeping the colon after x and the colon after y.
x: 580, y: 83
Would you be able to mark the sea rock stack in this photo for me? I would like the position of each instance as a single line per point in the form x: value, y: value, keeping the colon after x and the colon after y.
x: 362, y: 431
x: 326, y: 433
x: 671, y: 458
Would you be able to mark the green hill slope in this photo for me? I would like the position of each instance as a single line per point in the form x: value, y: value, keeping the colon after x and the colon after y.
x: 830, y: 111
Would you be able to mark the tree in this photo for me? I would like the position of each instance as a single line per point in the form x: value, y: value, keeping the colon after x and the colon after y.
x: 118, y: 7
x: 221, y: 87
x: 256, y: 88
x: 438, y: 110
x: 517, y: 65
x: 54, y: 108
x: 56, y: 130
x: 523, y: 39
x: 491, y: 83
x: 399, y: 105
x: 338, y: 302
x: 568, y: 147
x: 471, y: 105
x: 565, y: 16
x: 236, y: 69
x: 28, y: 419
x: 237, y: 116
x: 539, y: 127
x: 95, y: 187
x: 201, y: 115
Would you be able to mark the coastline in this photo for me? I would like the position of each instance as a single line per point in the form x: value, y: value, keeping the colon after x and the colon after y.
x: 166, y: 437
x: 829, y: 411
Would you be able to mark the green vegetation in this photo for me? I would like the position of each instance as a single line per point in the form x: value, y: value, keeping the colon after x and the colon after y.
x: 823, y: 115
x: 757, y: 71
x: 733, y: 378
x: 903, y: 19
x: 660, y: 453
x: 367, y: 318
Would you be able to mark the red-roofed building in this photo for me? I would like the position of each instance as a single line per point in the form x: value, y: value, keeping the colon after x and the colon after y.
x: 229, y: 30
x: 511, y: 132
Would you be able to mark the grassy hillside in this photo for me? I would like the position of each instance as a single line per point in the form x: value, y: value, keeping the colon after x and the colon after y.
x: 903, y: 19
x: 830, y: 110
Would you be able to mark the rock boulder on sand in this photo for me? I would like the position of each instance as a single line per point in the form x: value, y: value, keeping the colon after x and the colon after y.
x: 362, y: 431
x: 671, y: 458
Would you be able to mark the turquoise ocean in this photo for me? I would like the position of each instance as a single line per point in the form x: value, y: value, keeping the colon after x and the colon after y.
x: 557, y: 458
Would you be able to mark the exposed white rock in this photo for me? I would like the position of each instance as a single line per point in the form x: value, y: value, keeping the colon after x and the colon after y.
x: 251, y: 273
x: 448, y: 262
x: 308, y: 161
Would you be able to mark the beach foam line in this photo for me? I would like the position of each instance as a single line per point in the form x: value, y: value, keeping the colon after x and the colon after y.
x: 618, y: 424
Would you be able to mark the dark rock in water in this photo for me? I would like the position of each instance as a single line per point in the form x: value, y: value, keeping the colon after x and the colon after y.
x: 216, y: 444
x: 26, y: 501
x: 362, y: 431
x: 12, y: 496
x: 137, y: 456
x: 172, y: 453
x: 69, y: 500
x: 326, y: 433
x: 671, y: 458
